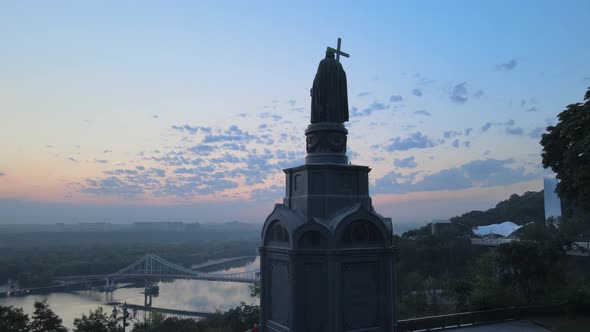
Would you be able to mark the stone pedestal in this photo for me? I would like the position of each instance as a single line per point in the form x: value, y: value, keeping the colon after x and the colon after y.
x: 326, y: 143
x: 327, y: 261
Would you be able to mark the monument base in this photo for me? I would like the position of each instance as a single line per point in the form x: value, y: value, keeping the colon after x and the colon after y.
x: 326, y: 143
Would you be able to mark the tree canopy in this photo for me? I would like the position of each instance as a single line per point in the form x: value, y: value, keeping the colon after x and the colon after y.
x: 45, y: 320
x: 13, y: 319
x: 96, y: 321
x: 566, y: 151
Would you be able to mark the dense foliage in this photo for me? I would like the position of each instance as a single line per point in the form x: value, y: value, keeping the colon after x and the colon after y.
x: 13, y: 319
x: 241, y: 318
x: 96, y: 321
x: 566, y: 150
x: 445, y: 273
x: 45, y: 320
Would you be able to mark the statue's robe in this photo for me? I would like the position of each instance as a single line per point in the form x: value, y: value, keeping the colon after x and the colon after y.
x: 329, y: 99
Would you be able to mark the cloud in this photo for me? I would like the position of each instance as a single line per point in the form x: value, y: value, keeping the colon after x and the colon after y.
x: 362, y: 94
x: 507, y: 66
x: 203, y: 149
x: 516, y: 131
x: 378, y: 106
x: 233, y: 146
x: 191, y: 129
x: 457, y: 133
x: 476, y: 173
x: 272, y: 116
x: 489, y: 125
x: 72, y: 159
x: 297, y: 109
x: 292, y: 102
x: 395, y: 98
x: 459, y: 93
x: 155, y: 116
x: 417, y: 92
x: 478, y: 94
x: 220, y: 159
x: 157, y: 172
x: 2, y: 173
x: 375, y: 106
x: 232, y: 134
x: 416, y: 140
x: 452, y: 133
x: 408, y: 162
x: 532, y: 101
x: 101, y: 161
x: 112, y: 186
x: 121, y: 172
x: 536, y: 132
x: 422, y: 112
x: 107, y: 151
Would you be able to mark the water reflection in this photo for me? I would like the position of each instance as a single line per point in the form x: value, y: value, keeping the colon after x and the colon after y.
x: 190, y: 295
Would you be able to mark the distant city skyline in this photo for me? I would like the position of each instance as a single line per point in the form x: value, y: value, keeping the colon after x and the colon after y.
x: 189, y: 111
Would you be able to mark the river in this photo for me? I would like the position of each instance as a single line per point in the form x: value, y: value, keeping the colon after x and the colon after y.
x: 190, y: 295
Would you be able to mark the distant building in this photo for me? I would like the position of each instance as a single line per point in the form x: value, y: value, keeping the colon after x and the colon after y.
x: 438, y: 227
x: 552, y: 203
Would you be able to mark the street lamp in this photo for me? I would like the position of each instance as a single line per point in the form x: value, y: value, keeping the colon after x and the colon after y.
x: 124, y: 316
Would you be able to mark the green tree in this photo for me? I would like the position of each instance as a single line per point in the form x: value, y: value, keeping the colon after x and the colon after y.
x: 45, y: 320
x: 459, y: 291
x: 528, y: 265
x: 255, y: 288
x: 96, y: 321
x: 566, y: 150
x: 13, y: 319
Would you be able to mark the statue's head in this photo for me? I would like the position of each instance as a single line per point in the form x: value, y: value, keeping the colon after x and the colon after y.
x: 330, y: 53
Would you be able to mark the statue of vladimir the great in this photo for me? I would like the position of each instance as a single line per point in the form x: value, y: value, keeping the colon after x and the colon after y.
x: 329, y: 99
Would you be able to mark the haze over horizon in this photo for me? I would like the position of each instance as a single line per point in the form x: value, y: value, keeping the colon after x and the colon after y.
x: 190, y: 111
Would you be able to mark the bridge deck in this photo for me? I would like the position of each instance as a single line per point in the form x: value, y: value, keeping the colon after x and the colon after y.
x: 164, y: 310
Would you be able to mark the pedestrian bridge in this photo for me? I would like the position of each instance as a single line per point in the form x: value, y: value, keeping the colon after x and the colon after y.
x: 151, y: 266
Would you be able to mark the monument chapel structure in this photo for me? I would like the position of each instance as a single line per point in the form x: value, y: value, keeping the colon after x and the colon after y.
x: 327, y: 260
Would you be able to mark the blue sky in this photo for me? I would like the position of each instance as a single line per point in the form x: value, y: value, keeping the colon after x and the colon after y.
x: 111, y: 109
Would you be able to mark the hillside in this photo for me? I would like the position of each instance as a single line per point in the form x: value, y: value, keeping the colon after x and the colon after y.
x: 519, y: 209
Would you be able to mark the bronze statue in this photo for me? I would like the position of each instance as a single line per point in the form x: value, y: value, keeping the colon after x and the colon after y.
x: 329, y: 99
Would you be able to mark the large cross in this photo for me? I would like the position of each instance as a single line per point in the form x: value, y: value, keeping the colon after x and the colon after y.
x: 338, y: 51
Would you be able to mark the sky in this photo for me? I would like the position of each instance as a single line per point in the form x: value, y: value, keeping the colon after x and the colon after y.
x: 183, y: 110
